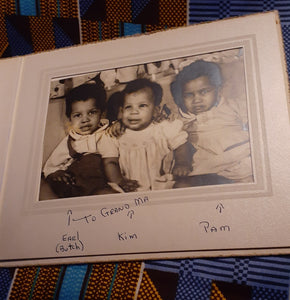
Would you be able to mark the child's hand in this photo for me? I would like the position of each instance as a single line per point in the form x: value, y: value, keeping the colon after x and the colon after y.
x: 181, y: 170
x: 116, y: 129
x: 62, y: 176
x: 128, y: 185
x: 162, y: 115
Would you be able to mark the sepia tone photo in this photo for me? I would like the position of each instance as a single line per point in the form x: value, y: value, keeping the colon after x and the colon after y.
x: 177, y: 123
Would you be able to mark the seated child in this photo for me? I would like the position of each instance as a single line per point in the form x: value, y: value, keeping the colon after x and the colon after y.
x: 75, y: 167
x: 217, y: 127
x: 135, y: 160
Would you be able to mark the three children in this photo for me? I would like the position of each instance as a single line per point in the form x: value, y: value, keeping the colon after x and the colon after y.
x: 207, y: 143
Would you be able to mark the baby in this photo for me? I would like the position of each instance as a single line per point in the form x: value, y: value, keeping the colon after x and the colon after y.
x: 217, y: 127
x: 75, y: 166
x: 136, y: 160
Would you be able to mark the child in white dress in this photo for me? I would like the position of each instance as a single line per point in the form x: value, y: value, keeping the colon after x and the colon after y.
x: 217, y: 127
x: 136, y: 159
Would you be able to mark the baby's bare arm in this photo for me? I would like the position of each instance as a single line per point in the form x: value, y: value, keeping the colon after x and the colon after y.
x: 183, y: 160
x: 112, y: 169
x: 113, y: 173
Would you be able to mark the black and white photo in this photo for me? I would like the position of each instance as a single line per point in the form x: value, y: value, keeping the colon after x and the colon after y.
x: 166, y: 124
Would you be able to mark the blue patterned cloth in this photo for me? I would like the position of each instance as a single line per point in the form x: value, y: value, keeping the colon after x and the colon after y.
x: 202, y: 11
x: 265, y: 277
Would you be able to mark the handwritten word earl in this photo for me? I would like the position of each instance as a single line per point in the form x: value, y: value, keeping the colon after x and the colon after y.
x: 124, y: 236
x: 69, y: 242
x: 209, y: 228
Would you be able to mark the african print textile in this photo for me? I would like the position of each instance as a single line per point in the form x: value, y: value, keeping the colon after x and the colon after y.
x: 33, y: 26
x: 89, y: 281
x: 40, y: 25
x: 206, y: 11
x: 245, y: 278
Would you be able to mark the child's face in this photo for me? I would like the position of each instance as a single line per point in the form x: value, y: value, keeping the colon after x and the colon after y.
x: 199, y: 95
x: 85, y: 117
x: 138, y: 109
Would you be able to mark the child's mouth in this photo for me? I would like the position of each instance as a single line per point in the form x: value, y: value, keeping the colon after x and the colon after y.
x: 198, y: 109
x: 85, y: 128
x: 134, y: 121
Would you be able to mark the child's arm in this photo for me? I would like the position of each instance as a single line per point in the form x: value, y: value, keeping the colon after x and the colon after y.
x: 113, y: 173
x: 59, y: 159
x: 183, y: 160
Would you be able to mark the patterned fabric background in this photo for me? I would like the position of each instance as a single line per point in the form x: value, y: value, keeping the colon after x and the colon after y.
x: 201, y: 11
x: 31, y: 26
x: 28, y: 26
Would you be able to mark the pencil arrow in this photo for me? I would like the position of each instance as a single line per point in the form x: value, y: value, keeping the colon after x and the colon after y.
x: 220, y: 207
x: 130, y: 213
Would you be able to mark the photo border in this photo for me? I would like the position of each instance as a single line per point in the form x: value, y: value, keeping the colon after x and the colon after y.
x: 262, y: 181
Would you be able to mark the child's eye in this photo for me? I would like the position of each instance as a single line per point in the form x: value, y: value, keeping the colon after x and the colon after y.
x: 143, y: 105
x: 76, y: 116
x: 93, y: 112
x: 127, y: 107
x: 188, y: 95
x: 205, y: 91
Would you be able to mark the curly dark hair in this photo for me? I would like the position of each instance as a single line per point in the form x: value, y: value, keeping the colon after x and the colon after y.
x: 84, y: 92
x: 193, y: 71
x: 142, y: 83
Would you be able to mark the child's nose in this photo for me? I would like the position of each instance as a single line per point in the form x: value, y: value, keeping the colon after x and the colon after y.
x: 196, y: 98
x: 85, y: 118
x: 135, y: 110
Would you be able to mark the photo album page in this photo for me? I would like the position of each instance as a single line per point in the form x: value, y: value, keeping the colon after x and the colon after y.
x: 172, y: 144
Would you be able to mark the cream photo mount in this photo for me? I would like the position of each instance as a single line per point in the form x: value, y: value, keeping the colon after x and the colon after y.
x: 227, y: 219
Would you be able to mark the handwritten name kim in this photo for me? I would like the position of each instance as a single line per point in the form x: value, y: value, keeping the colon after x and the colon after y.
x: 124, y: 236
x: 70, y: 243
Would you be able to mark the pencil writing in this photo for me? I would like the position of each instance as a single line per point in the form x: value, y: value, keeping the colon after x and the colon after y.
x: 69, y: 243
x: 208, y: 228
x: 124, y: 236
x: 105, y: 212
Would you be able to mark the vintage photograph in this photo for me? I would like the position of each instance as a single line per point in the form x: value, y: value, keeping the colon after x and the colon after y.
x: 177, y: 123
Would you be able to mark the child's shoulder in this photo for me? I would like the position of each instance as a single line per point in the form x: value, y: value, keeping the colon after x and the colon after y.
x: 236, y: 106
x: 170, y: 127
x: 170, y: 123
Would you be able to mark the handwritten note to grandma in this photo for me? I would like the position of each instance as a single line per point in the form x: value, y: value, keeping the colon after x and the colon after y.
x: 105, y: 212
x: 71, y: 242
